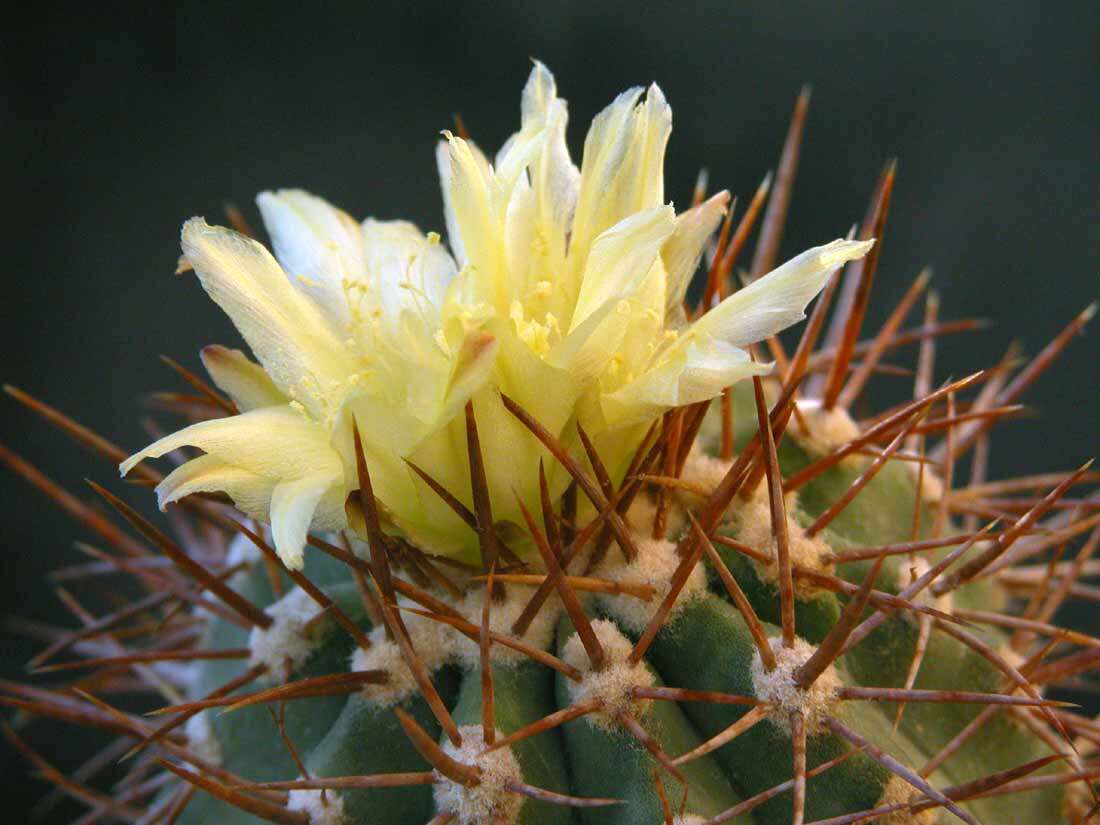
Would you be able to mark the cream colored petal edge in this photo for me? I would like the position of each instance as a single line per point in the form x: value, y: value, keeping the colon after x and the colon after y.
x: 285, y: 329
x: 241, y: 378
x: 273, y: 442
x: 684, y: 248
x: 209, y: 474
x: 404, y: 268
x: 316, y: 244
x: 777, y: 300
x: 698, y: 373
x: 620, y: 259
x: 293, y: 504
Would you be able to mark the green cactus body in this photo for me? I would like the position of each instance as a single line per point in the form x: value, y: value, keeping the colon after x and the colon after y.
x: 706, y: 646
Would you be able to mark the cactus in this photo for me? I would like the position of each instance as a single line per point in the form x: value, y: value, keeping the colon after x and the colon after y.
x: 569, y: 551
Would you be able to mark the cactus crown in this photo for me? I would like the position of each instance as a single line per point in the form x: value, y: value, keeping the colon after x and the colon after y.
x: 504, y: 538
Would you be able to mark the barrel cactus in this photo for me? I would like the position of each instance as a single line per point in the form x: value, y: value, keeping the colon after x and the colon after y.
x: 527, y: 528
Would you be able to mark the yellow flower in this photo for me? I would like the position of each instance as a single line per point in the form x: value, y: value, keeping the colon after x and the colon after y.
x: 565, y: 292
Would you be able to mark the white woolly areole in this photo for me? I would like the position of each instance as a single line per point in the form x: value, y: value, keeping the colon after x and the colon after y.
x: 643, y: 510
x: 778, y: 687
x: 826, y: 429
x: 753, y: 519
x: 898, y: 792
x: 687, y: 819
x: 488, y: 802
x: 654, y: 565
x: 285, y: 640
x: 201, y: 740
x: 703, y: 470
x: 502, y: 616
x: 613, y: 684
x: 434, y: 643
x: 323, y: 810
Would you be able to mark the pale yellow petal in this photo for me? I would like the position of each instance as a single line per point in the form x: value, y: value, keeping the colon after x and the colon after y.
x: 775, y: 301
x: 404, y: 270
x: 208, y: 474
x: 683, y: 250
x: 621, y: 258
x: 695, y: 373
x: 317, y: 245
x: 555, y: 179
x: 241, y: 378
x: 478, y: 199
x: 293, y: 506
x: 622, y: 171
x: 273, y: 442
x: 285, y: 329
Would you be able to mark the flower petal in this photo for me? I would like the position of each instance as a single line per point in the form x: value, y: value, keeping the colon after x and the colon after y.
x: 684, y: 249
x: 241, y: 378
x: 317, y: 245
x: 622, y: 171
x: 273, y: 442
x: 477, y: 198
x: 293, y: 504
x: 775, y: 301
x: 405, y: 269
x: 555, y: 179
x: 621, y: 258
x: 285, y: 330
x: 208, y: 474
x: 697, y: 372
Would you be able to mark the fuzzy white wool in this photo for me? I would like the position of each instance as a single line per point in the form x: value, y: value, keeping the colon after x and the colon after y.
x: 613, y: 684
x: 655, y: 565
x: 704, y: 470
x: 826, y: 429
x: 642, y: 512
x: 434, y: 643
x: 488, y: 802
x: 502, y: 615
x: 778, y: 686
x: 899, y: 792
x: 688, y: 819
x: 322, y: 810
x: 753, y: 520
x: 201, y: 740
x: 286, y: 639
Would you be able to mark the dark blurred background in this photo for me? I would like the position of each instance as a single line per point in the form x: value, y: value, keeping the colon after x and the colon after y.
x: 116, y: 129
